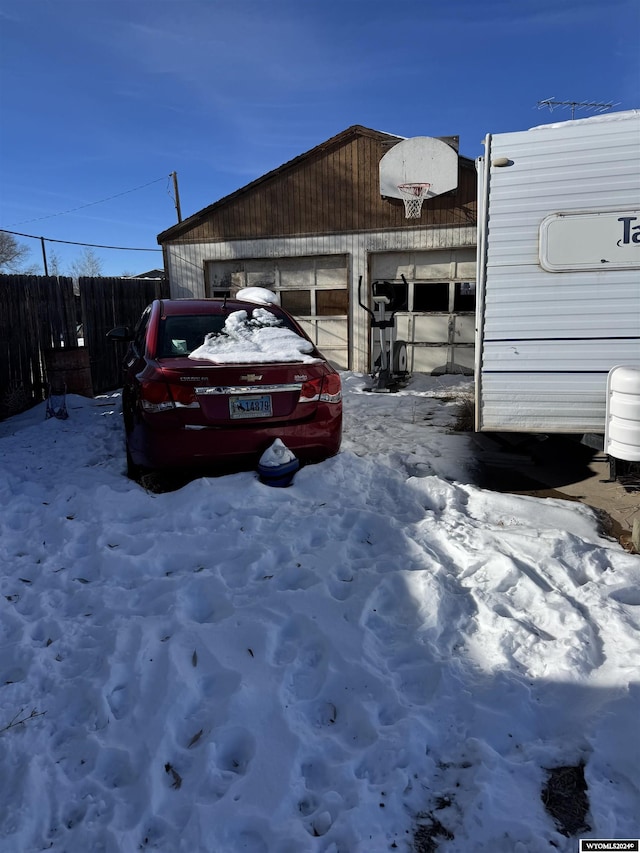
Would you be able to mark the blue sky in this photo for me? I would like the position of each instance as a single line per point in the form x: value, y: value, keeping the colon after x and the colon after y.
x: 101, y: 100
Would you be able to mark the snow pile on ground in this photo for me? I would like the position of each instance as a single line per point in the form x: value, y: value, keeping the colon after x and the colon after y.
x: 380, y: 657
x: 262, y: 339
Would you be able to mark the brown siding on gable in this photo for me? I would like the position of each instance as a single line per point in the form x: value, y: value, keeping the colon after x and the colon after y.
x: 334, y: 189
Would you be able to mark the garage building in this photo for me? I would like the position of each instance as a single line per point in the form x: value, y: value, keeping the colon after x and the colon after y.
x: 317, y: 227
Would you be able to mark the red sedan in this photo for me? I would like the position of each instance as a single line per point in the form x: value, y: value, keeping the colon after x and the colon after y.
x: 212, y: 383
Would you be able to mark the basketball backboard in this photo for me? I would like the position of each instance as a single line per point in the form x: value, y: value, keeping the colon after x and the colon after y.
x: 419, y: 160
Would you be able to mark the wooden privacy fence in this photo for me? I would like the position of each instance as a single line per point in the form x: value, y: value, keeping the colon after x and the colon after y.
x: 37, y: 314
x: 106, y: 303
x: 46, y: 328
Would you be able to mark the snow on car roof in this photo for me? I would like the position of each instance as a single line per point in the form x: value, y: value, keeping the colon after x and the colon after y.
x: 260, y: 295
x: 262, y: 339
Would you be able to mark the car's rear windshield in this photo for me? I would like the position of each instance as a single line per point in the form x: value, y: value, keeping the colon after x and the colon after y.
x: 182, y: 334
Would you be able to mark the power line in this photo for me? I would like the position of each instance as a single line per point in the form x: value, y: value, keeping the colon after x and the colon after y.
x: 91, y: 203
x: 74, y: 243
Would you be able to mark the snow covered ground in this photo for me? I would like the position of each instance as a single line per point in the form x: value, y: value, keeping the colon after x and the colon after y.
x: 380, y: 657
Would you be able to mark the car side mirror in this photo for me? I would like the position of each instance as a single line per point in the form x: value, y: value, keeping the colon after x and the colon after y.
x: 120, y: 333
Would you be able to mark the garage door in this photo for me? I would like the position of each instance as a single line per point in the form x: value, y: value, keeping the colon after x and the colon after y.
x: 438, y: 316
x: 313, y: 289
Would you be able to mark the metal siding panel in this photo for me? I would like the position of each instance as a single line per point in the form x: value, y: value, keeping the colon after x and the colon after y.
x: 544, y: 402
x: 578, y: 356
x: 525, y: 302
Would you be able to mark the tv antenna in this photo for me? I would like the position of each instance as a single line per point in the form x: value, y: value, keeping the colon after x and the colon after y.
x: 575, y: 105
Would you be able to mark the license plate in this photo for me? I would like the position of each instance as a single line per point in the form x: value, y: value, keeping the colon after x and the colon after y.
x: 250, y: 407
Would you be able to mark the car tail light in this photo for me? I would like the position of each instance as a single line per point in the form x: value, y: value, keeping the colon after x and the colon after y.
x: 159, y: 396
x: 154, y: 396
x: 184, y: 395
x: 326, y: 389
x: 332, y: 388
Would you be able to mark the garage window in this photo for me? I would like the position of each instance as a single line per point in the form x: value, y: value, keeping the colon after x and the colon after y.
x: 331, y: 302
x: 296, y: 302
x: 328, y: 303
x: 465, y: 296
x: 313, y: 286
x: 400, y: 296
x: 431, y: 296
x: 308, y: 286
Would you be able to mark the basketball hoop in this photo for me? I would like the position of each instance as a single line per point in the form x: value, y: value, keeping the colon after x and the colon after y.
x: 413, y: 195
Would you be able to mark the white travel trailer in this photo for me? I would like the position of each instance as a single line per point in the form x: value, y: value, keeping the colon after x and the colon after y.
x: 558, y: 278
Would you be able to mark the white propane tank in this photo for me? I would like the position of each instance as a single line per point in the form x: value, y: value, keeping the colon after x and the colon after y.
x: 622, y: 429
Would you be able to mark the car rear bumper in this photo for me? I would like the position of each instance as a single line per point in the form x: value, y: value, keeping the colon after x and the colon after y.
x: 228, y: 449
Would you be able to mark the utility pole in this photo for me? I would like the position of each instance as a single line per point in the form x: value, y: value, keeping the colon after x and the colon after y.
x: 580, y: 105
x: 176, y: 194
x: 44, y: 256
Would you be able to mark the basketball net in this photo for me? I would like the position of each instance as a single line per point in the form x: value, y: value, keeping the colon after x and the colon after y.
x: 413, y: 195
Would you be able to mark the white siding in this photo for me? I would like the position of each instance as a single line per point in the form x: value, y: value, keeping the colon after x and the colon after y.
x: 546, y: 340
x: 558, y: 403
x: 185, y: 263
